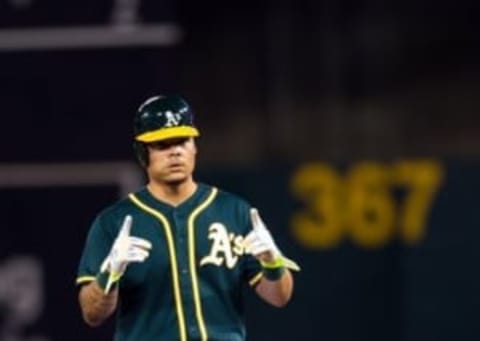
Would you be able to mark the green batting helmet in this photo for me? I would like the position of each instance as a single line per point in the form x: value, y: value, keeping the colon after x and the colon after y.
x: 160, y: 118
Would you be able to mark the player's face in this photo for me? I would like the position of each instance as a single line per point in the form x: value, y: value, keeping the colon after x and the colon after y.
x: 172, y: 160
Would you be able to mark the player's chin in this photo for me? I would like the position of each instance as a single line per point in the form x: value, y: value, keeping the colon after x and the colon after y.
x: 175, y: 178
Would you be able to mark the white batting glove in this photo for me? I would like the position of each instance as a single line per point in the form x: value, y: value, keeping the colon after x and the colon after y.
x: 259, y: 242
x: 125, y: 250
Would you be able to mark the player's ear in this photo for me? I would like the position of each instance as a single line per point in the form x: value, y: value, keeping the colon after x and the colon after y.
x: 141, y: 152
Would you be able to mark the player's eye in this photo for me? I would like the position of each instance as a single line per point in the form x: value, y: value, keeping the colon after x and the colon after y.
x: 159, y: 145
x: 166, y: 144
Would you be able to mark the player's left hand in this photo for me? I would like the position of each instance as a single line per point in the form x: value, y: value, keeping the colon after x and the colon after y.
x: 259, y: 242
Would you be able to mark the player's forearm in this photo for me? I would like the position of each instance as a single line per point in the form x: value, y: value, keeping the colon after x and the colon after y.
x: 96, y: 306
x: 277, y: 292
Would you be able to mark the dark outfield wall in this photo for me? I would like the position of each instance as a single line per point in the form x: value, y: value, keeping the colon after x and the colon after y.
x: 388, y: 251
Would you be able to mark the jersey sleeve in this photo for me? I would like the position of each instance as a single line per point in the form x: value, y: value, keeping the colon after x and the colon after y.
x: 252, y: 270
x: 98, y: 244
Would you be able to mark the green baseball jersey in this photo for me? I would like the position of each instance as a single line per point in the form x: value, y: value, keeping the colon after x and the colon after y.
x: 190, y: 287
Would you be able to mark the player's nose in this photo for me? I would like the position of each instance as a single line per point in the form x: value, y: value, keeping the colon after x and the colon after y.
x: 176, y: 149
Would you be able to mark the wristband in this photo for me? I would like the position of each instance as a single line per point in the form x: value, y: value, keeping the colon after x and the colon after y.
x: 107, y: 281
x: 273, y: 270
x: 273, y: 264
x: 273, y: 274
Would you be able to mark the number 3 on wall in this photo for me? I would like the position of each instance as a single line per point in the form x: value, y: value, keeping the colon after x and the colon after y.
x: 371, y: 204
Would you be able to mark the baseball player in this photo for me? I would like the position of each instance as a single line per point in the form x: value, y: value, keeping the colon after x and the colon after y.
x: 171, y: 259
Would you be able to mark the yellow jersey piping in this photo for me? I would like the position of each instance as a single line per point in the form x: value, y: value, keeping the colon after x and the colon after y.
x: 255, y: 279
x: 85, y: 279
x: 173, y: 262
x: 193, y: 263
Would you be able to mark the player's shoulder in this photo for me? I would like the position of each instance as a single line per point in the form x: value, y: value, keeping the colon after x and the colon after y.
x: 116, y: 209
x: 232, y: 209
x: 228, y: 198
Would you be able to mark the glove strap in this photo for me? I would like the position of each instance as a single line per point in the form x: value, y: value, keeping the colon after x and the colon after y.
x: 108, y: 281
x: 273, y: 270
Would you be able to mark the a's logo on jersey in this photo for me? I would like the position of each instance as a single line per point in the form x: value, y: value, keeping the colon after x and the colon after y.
x: 226, y: 247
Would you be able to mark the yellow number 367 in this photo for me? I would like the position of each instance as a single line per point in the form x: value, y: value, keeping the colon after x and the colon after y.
x: 372, y: 203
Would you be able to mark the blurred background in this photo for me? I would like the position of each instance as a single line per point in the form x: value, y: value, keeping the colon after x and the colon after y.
x: 352, y: 125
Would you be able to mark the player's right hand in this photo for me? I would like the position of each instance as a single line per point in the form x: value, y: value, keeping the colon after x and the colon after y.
x: 125, y: 250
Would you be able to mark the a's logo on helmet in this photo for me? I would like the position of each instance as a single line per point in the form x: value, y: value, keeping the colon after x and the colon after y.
x: 173, y: 119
